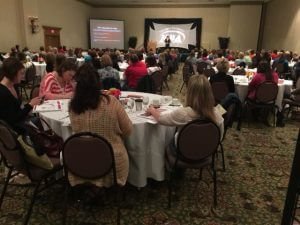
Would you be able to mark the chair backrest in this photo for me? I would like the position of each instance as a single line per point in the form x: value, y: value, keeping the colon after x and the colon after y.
x: 164, y: 71
x: 201, y: 66
x: 9, y: 148
x: 186, y: 73
x: 88, y: 156
x: 110, y: 82
x: 209, y: 72
x: 266, y: 92
x: 158, y: 80
x: 197, y: 140
x: 30, y: 74
x: 239, y: 71
x: 279, y: 68
x: 35, y: 91
x: 220, y: 90
x: 146, y: 84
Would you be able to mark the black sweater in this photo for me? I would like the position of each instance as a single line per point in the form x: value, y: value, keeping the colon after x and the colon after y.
x: 219, y: 77
x: 11, y: 111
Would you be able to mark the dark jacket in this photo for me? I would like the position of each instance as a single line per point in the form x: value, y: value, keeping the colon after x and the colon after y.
x: 223, y: 77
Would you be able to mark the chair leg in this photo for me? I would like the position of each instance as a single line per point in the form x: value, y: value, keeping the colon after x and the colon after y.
x: 118, y: 206
x: 65, y: 212
x: 35, y: 192
x: 215, y: 187
x: 170, y: 189
x: 200, y: 174
x: 5, y: 186
x: 223, y: 158
x: 181, y: 87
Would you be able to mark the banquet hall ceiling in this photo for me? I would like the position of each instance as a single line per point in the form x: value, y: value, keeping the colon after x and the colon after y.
x: 101, y: 3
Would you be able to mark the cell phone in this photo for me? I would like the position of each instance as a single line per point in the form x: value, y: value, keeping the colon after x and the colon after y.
x: 42, y: 100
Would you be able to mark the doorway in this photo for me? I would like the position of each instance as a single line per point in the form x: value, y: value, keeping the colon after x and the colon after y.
x: 51, y: 36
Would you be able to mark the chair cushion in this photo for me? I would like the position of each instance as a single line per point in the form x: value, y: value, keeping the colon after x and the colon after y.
x: 171, y: 158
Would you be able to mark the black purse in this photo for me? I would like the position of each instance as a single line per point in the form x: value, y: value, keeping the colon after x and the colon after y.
x: 45, y: 141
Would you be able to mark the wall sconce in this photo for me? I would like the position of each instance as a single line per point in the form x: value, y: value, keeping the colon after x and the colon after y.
x: 33, y: 24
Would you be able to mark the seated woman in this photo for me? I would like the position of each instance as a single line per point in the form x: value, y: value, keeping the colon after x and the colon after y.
x: 221, y: 76
x: 134, y: 72
x: 108, y: 71
x: 199, y: 104
x: 10, y: 106
x: 152, y: 65
x: 59, y: 84
x: 101, y: 114
x: 264, y: 73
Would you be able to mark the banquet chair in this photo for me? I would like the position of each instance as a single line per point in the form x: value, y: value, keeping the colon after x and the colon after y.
x: 239, y: 71
x: 265, y: 98
x: 29, y: 82
x: 146, y: 84
x: 15, y: 161
x: 196, y: 147
x: 209, y: 72
x: 35, y: 91
x: 292, y: 102
x: 88, y: 156
x: 220, y: 90
x: 186, y: 74
x: 158, y: 81
x: 281, y: 71
x: 110, y: 82
x: 201, y: 66
x: 164, y: 72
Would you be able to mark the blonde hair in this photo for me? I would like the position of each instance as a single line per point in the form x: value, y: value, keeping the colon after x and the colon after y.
x: 200, y: 97
x: 223, y: 65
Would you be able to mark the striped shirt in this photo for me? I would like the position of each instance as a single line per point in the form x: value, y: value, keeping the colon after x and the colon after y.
x: 51, y: 87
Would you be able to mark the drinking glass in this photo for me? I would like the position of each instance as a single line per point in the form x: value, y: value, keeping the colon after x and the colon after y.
x: 130, y: 104
x: 145, y: 101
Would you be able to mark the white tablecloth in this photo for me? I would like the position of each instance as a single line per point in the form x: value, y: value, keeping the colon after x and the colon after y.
x: 241, y: 88
x: 145, y: 146
x: 40, y: 69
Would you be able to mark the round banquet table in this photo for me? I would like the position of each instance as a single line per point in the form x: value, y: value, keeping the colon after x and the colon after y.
x: 145, y: 145
x: 40, y: 69
x: 241, y: 88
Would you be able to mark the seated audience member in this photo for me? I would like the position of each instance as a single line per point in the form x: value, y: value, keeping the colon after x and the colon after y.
x: 11, y: 109
x: 135, y: 71
x: 264, y: 73
x: 108, y: 71
x: 248, y: 59
x: 152, y: 65
x: 91, y: 111
x: 240, y: 59
x: 59, y: 84
x: 221, y: 76
x: 256, y: 59
x: 199, y: 104
x: 50, y: 62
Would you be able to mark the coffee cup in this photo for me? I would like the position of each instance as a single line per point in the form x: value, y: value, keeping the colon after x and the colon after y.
x: 166, y: 99
x: 175, y: 101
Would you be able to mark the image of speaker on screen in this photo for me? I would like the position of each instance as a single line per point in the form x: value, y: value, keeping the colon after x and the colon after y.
x: 167, y: 42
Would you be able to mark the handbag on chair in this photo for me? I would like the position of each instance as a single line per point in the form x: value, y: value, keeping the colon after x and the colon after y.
x: 45, y: 140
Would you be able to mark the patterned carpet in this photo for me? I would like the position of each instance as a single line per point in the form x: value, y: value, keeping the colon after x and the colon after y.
x: 251, y: 191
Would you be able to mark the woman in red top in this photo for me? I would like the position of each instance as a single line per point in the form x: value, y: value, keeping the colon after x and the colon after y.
x: 264, y: 73
x: 135, y: 71
x: 59, y: 84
